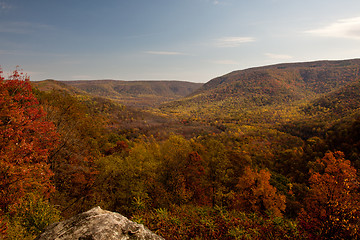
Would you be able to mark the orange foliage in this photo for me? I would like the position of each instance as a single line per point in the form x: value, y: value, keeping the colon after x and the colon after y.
x: 256, y: 194
x: 332, y: 208
x: 3, y: 227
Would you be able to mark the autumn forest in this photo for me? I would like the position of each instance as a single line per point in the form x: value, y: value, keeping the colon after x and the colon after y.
x: 270, y: 152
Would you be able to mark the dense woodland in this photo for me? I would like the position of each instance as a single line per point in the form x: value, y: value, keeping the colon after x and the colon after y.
x: 262, y: 153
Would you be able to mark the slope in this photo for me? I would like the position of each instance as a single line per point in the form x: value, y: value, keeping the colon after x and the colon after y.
x: 123, y: 109
x: 50, y: 84
x: 241, y: 92
x: 321, y: 114
x: 137, y: 93
x: 130, y: 93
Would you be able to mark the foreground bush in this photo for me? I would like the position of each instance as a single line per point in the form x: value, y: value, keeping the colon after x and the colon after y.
x: 193, y: 222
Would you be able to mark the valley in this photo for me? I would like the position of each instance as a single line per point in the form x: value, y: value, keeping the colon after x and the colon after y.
x: 140, y: 94
x: 252, y: 154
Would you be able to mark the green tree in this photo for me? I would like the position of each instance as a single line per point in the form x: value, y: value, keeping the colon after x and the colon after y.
x: 174, y: 157
x: 125, y: 180
x: 32, y: 216
x: 219, y: 170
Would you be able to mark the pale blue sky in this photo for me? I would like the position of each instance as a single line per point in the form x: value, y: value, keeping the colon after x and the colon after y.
x: 193, y: 40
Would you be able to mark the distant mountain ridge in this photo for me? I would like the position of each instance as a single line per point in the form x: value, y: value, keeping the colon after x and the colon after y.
x: 161, y: 88
x: 131, y: 93
x: 274, y: 84
x: 50, y: 84
x: 239, y: 94
x: 306, y: 75
x: 239, y: 90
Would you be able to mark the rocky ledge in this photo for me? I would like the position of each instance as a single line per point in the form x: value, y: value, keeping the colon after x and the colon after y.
x: 97, y: 224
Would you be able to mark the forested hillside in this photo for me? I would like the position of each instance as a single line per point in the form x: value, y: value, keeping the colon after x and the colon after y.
x: 264, y: 153
x: 237, y: 94
x: 131, y: 93
x: 319, y: 76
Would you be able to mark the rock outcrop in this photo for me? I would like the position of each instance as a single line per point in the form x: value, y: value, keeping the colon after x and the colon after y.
x: 97, y: 224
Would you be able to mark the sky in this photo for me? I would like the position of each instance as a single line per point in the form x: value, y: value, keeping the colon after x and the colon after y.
x: 188, y: 40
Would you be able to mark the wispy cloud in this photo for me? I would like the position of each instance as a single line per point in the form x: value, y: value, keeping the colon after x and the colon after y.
x: 164, y: 53
x: 9, y: 52
x: 217, y: 2
x: 343, y: 28
x: 278, y: 56
x: 22, y: 27
x: 225, y: 62
x: 5, y: 6
x: 233, y: 41
x: 33, y: 53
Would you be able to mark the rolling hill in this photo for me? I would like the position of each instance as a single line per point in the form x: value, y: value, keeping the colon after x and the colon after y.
x: 130, y: 93
x: 267, y: 88
x: 318, y: 76
x: 316, y: 117
x: 277, y: 95
x: 50, y: 84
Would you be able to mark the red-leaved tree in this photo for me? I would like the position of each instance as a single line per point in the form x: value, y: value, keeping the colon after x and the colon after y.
x: 26, y: 140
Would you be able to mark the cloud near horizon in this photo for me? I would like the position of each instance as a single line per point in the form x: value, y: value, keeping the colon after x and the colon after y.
x: 278, y: 56
x: 343, y: 28
x: 9, y: 52
x: 82, y: 77
x: 164, y: 53
x: 233, y: 41
x: 225, y: 62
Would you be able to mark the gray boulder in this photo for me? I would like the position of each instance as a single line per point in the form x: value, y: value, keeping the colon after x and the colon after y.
x: 97, y: 224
